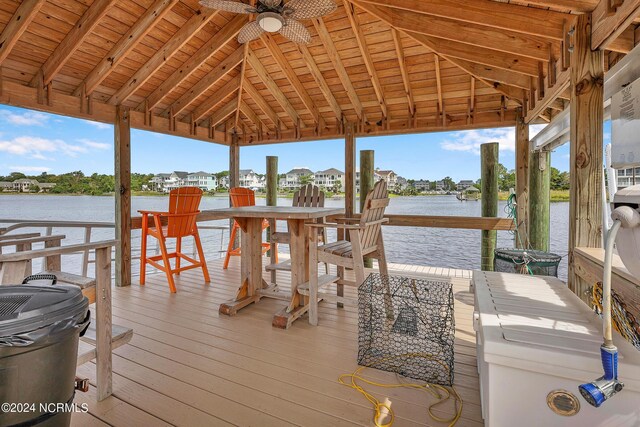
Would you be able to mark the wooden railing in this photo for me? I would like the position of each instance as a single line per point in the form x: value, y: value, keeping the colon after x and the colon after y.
x: 462, y: 222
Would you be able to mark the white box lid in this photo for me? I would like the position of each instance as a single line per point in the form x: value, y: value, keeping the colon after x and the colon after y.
x: 537, y: 323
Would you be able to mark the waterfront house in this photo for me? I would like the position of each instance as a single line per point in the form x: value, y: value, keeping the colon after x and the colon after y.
x: 6, y: 186
x: 422, y: 185
x: 330, y: 179
x: 203, y: 180
x: 370, y: 68
x: 464, y: 184
x: 158, y: 181
x: 440, y: 185
x: 177, y: 179
x: 388, y: 175
x: 223, y: 182
x: 250, y: 179
x: 294, y: 178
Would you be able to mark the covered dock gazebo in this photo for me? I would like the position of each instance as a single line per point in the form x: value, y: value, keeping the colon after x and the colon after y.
x: 373, y: 67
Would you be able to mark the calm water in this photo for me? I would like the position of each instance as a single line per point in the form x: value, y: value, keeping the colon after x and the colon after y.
x: 410, y: 245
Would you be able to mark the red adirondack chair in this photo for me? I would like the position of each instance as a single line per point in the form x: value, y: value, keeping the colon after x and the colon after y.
x: 180, y: 221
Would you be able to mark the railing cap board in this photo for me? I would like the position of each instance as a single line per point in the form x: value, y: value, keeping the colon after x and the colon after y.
x: 39, y: 253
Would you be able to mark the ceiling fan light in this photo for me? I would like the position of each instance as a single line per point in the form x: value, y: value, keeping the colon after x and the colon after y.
x: 270, y: 22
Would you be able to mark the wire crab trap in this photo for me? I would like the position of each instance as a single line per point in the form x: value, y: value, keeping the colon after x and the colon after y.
x: 526, y: 261
x: 407, y: 326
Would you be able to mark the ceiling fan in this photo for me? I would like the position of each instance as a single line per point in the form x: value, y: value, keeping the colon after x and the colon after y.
x: 275, y: 16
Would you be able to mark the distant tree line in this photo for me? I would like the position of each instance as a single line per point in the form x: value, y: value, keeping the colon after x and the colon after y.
x: 507, y: 179
x: 79, y: 183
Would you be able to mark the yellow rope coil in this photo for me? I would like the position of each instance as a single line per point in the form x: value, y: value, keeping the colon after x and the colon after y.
x: 383, y: 410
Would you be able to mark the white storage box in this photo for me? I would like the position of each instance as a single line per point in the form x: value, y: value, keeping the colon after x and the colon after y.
x: 535, y: 337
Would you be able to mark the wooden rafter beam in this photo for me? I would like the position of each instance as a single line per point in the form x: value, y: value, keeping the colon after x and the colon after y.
x: 550, y: 95
x: 223, y: 112
x: 175, y: 43
x: 210, y: 48
x: 397, y: 42
x: 283, y: 63
x: 471, y: 34
x: 491, y: 77
x: 127, y: 42
x: 73, y: 40
x: 243, y: 71
x: 497, y: 77
x: 366, y: 54
x: 250, y: 114
x: 220, y: 95
x: 332, y: 52
x: 17, y: 25
x: 263, y: 104
x: 607, y: 25
x: 273, y: 88
x: 484, y: 56
x: 579, y: 6
x: 205, y: 83
x: 504, y: 16
x: 436, y: 61
x: 320, y: 81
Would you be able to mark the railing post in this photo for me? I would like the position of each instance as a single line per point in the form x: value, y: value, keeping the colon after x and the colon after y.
x: 366, y: 184
x: 122, y: 149
x: 489, y: 166
x: 85, y: 254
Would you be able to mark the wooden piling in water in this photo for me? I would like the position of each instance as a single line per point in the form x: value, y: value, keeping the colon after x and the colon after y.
x: 539, y: 198
x: 489, y: 166
x: 272, y: 200
x: 366, y: 183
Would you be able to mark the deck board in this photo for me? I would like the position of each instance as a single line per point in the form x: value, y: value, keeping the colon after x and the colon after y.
x: 186, y: 365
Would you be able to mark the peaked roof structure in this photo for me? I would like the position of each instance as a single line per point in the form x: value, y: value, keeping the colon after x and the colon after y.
x: 388, y: 66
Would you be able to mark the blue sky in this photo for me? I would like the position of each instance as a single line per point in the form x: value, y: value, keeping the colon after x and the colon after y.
x: 33, y: 142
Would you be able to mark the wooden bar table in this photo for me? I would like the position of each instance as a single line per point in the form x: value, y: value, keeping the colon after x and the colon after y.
x: 252, y: 285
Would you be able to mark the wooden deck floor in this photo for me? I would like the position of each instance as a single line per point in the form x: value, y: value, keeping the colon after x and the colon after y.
x: 188, y: 366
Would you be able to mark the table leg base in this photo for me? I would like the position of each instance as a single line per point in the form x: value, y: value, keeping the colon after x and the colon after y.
x: 283, y: 319
x: 232, y: 307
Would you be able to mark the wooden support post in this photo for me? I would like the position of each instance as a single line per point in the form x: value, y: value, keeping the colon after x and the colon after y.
x: 539, y: 214
x: 234, y: 170
x: 272, y: 200
x: 489, y: 166
x: 522, y: 182
x: 122, y: 149
x: 587, y: 117
x: 350, y: 170
x: 367, y: 167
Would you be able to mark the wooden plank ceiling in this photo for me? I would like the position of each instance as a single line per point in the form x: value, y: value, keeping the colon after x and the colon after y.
x: 389, y: 66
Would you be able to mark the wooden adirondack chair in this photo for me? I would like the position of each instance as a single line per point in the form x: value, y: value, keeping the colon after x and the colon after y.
x: 180, y: 222
x: 366, y: 240
x: 309, y: 196
x: 241, y: 196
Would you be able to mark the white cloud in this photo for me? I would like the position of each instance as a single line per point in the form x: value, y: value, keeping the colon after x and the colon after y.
x: 95, y: 144
x: 98, y: 124
x: 24, y: 169
x: 28, y: 118
x: 35, y: 147
x: 470, y: 141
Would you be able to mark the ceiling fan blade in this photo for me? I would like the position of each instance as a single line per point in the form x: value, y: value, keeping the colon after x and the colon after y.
x: 305, y: 9
x: 228, y: 6
x: 250, y: 31
x: 295, y: 31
